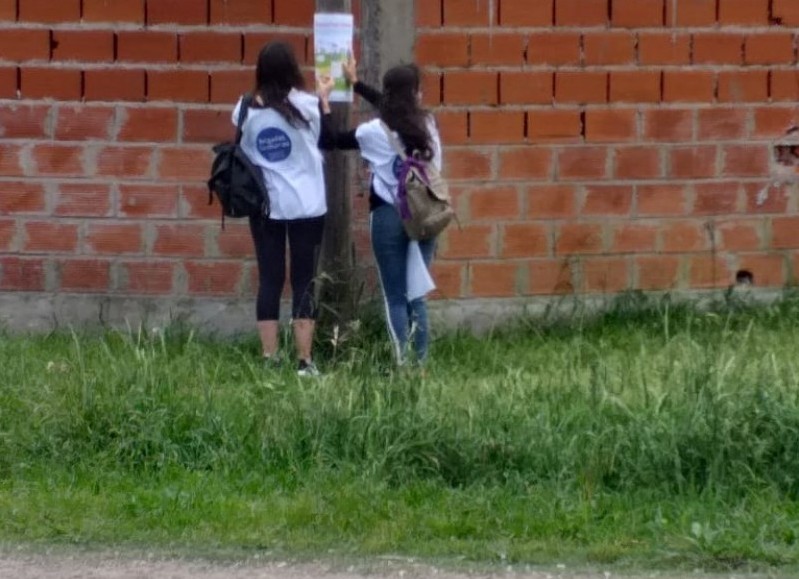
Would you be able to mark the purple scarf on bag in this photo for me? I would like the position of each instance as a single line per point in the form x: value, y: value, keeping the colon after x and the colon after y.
x: 408, y: 165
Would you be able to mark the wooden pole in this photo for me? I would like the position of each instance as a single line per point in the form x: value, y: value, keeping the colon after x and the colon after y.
x: 337, y: 291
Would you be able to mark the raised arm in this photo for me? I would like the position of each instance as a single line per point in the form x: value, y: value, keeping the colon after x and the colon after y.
x: 329, y: 137
x: 368, y: 93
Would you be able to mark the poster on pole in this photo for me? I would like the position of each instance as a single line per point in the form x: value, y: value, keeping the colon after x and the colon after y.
x: 333, y: 35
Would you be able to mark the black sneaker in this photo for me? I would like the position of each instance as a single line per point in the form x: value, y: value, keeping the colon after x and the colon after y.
x: 307, y: 369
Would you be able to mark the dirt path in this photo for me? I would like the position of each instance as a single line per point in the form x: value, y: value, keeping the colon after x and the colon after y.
x: 82, y: 566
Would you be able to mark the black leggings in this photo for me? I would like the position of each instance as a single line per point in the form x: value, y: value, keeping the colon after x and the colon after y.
x: 305, y: 240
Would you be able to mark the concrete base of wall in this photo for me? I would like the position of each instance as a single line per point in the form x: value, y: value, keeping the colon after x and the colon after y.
x: 37, y: 313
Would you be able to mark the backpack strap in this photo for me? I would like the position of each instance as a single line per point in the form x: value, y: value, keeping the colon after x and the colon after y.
x: 246, y: 103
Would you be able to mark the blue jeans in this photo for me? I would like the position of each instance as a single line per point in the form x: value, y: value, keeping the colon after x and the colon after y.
x: 407, y: 320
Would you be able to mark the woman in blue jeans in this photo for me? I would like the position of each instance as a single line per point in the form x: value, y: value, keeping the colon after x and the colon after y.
x: 400, y: 110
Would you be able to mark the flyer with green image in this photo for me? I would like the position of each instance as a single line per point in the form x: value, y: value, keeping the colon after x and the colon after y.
x: 333, y: 35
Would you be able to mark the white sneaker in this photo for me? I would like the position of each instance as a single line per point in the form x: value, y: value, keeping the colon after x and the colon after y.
x: 308, y: 369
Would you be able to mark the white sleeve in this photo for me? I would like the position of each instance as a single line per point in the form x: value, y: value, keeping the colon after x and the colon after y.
x: 437, y: 148
x: 234, y: 118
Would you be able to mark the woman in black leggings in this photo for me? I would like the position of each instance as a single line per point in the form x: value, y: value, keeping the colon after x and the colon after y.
x: 281, y: 135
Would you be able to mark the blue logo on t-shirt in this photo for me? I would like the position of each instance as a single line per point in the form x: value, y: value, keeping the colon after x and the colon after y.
x: 397, y: 168
x: 274, y: 145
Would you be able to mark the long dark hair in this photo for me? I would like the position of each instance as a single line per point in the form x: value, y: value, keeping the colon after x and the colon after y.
x: 400, y: 109
x: 276, y: 74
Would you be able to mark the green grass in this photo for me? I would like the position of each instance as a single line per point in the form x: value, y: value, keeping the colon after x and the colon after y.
x: 650, y: 435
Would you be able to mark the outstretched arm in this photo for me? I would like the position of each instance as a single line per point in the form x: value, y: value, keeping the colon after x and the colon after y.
x: 368, y: 93
x: 329, y: 137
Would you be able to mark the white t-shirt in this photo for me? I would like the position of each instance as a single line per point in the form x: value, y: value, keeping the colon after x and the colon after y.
x: 288, y: 156
x: 384, y: 162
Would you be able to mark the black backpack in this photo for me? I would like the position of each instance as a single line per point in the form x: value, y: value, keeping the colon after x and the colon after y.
x: 238, y: 183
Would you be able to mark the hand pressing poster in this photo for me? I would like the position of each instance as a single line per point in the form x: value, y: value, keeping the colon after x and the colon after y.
x: 332, y: 46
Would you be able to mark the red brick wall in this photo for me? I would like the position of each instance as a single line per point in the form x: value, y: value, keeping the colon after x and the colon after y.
x: 601, y: 145
x: 592, y: 147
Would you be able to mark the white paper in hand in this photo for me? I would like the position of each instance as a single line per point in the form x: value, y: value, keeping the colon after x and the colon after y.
x: 420, y: 282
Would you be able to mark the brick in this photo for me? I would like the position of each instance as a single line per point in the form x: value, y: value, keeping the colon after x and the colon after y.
x: 660, y: 200
x: 493, y: 203
x: 50, y: 237
x: 708, y: 272
x: 718, y: 48
x: 114, y: 85
x: 148, y: 201
x: 581, y: 12
x: 210, y: 47
x: 8, y: 82
x: 635, y: 238
x: 525, y: 240
x: 775, y: 200
x: 606, y: 275
x: 582, y: 163
x: 613, y: 47
x: 19, y: 121
x: 206, y: 126
x: 739, y: 235
x: 178, y: 12
x: 124, y: 162
x: 235, y: 241
x: 744, y: 12
x: 768, y: 270
x: 429, y: 14
x: 10, y: 160
x: 83, y: 45
x: 498, y: 49
x: 21, y: 274
x: 22, y: 44
x: 497, y: 127
x: 147, y: 277
x: 444, y: 50
x: 227, y: 86
x: 608, y: 200
x: 45, y: 82
x: 8, y: 233
x: 771, y: 121
x: 468, y: 13
x: 638, y: 163
x: 785, y: 233
x: 769, y: 48
x: 554, y: 48
x: 516, y: 13
x: 691, y: 13
x: 113, y: 239
x: 64, y: 160
x: 785, y: 85
x: 580, y: 87
x: 149, y: 124
x: 611, y: 125
x: 521, y: 88
x: 179, y: 240
x: 716, y: 198
x: 49, y: 11
x: 449, y: 280
x: 147, y: 46
x: 786, y: 12
x: 21, y: 197
x: 8, y: 10
x: 178, y: 86
x: 746, y: 160
x: 635, y: 86
x: 494, y: 279
x: 526, y: 163
x: 113, y: 11
x: 664, y: 49
x: 185, y: 164
x: 657, y: 273
x: 471, y: 88
x: 579, y: 239
x: 431, y: 89
x: 468, y: 242
x: 84, y: 275
x: 549, y: 276
x: 743, y: 86
x: 254, y: 42
x: 688, y: 86
x: 467, y: 164
x: 554, y: 126
x: 551, y: 202
x: 693, y: 162
x: 83, y: 122
x: 722, y: 123
x: 294, y: 12
x: 668, y: 125
x: 240, y: 12
x: 453, y: 127
x: 637, y: 13
x: 82, y: 200
x: 684, y: 236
